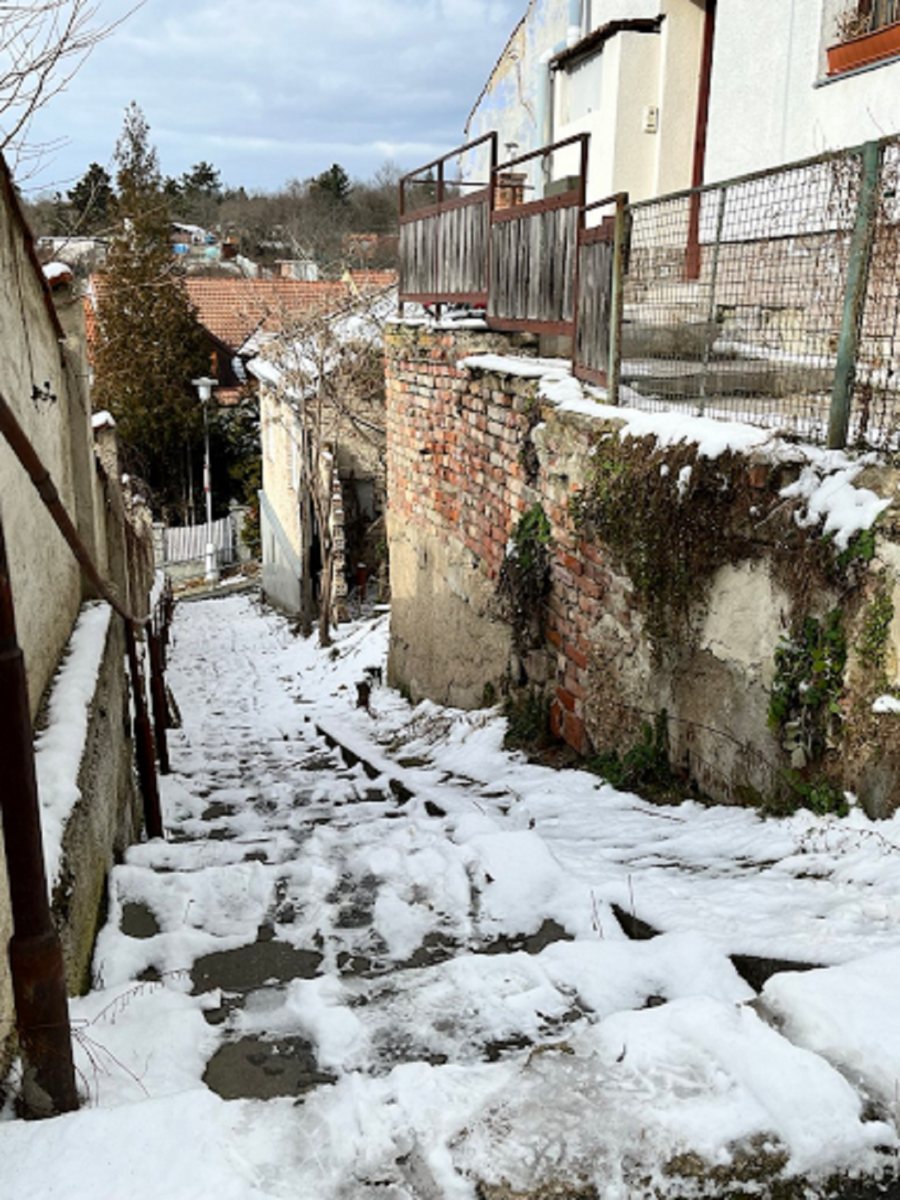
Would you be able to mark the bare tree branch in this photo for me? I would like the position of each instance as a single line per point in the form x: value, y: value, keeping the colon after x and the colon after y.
x: 42, y: 46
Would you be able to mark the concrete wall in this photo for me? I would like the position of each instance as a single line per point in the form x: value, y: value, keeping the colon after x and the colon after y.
x: 471, y: 451
x: 281, y: 569
x: 44, y: 374
x: 45, y: 577
x: 106, y: 820
x: 771, y: 100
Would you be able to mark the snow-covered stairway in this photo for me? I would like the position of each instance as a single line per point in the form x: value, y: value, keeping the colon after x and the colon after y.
x: 378, y: 956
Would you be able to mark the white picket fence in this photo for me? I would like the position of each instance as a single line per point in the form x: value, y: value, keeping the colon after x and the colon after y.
x: 188, y: 543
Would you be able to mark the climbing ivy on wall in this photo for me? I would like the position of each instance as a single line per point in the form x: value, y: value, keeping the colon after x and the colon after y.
x: 670, y: 519
x: 524, y: 578
x: 809, y: 677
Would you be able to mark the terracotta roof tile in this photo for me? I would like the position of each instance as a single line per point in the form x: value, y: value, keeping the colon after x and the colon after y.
x: 233, y: 309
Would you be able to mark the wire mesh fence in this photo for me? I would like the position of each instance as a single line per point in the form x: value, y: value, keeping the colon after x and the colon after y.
x: 875, y: 414
x: 733, y: 296
x: 737, y: 298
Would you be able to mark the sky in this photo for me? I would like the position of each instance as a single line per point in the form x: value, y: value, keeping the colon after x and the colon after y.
x: 274, y: 90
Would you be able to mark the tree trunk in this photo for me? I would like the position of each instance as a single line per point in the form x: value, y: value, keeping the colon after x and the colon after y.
x: 325, y: 598
x: 307, y: 599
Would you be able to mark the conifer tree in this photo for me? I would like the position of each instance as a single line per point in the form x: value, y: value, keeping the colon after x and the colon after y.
x: 150, y: 344
x: 91, y: 200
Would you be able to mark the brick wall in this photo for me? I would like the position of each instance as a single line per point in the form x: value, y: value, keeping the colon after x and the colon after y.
x: 472, y: 449
x: 468, y: 454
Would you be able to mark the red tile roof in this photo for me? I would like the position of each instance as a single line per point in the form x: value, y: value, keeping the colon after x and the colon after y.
x: 233, y: 309
x: 373, y: 280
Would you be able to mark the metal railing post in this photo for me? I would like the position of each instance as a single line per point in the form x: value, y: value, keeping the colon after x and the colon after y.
x: 158, y: 699
x: 711, y: 306
x: 616, y: 302
x: 855, y: 296
x: 143, y: 738
x: 35, y: 953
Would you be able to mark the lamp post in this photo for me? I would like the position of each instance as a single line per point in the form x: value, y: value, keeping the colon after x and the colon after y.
x: 204, y: 388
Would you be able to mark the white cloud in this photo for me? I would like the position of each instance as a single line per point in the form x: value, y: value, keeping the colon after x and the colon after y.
x: 354, y: 80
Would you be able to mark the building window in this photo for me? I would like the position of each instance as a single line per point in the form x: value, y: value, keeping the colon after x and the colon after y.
x: 867, y: 16
x: 864, y: 33
x: 582, y: 88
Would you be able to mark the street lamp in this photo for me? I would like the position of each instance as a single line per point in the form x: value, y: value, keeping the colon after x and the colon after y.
x: 204, y: 388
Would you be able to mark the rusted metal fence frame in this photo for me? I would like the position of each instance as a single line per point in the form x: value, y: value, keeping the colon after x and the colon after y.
x: 35, y: 955
x: 530, y: 288
x: 444, y: 247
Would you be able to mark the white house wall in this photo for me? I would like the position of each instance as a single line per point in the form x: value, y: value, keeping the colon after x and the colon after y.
x: 280, y: 508
x: 771, y: 99
x: 606, y: 95
x: 680, y: 62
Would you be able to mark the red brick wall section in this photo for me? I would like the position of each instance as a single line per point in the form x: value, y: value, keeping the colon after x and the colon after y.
x: 454, y: 442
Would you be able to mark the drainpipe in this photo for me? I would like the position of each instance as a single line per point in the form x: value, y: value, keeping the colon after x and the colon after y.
x: 576, y: 22
x: 35, y: 954
x: 545, y: 104
x: 692, y: 257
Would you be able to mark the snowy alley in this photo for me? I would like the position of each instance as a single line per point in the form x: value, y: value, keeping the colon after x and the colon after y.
x: 379, y: 956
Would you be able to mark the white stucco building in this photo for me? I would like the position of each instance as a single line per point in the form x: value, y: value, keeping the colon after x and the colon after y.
x: 627, y: 72
x: 773, y: 99
x: 678, y: 92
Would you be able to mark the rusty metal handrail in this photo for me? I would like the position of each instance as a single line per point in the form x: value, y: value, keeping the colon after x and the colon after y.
x: 582, y: 139
x: 410, y: 177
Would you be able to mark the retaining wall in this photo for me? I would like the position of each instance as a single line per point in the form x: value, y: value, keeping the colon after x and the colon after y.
x: 470, y: 450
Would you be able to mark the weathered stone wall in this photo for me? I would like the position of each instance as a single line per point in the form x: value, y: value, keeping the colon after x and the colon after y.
x: 107, y: 818
x: 44, y: 376
x: 681, y: 610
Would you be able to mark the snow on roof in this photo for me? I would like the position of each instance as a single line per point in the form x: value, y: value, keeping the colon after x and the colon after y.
x: 57, y: 272
x: 103, y: 420
x: 360, y: 321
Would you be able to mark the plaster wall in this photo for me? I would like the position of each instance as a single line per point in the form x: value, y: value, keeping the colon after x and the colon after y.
x: 45, y: 578
x: 280, y: 513
x: 106, y: 820
x: 681, y: 52
x: 605, y: 95
x: 771, y: 100
x: 44, y: 377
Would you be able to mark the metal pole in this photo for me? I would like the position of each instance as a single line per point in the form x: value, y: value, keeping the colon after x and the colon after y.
x: 35, y: 954
x: 616, y: 304
x: 854, y: 297
x: 143, y: 738
x: 711, y: 306
x: 212, y: 566
x: 158, y: 698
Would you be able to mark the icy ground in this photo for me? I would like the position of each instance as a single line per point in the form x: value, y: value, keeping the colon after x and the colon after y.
x: 378, y: 956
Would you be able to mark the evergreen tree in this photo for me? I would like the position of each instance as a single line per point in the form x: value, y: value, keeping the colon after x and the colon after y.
x: 333, y: 184
x: 150, y: 344
x: 91, y: 201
